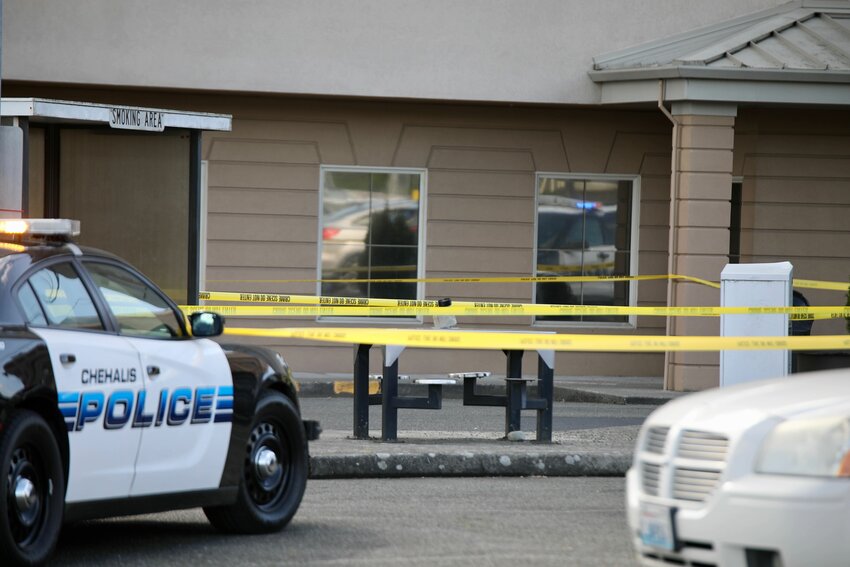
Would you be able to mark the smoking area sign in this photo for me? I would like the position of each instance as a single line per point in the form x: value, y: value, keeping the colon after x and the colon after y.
x: 125, y: 118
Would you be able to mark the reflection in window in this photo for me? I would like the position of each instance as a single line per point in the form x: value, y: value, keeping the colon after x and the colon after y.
x: 583, y: 229
x: 370, y: 230
x: 63, y: 299
x: 138, y: 308
x: 29, y: 302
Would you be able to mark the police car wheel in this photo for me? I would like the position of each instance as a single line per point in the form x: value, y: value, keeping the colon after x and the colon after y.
x: 274, y: 473
x: 32, y: 485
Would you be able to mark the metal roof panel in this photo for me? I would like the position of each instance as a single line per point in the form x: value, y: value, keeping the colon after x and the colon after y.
x: 796, y: 36
x: 741, y: 38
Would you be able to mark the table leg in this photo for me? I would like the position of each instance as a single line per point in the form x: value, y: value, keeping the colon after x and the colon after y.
x: 516, y: 395
x: 514, y: 367
x: 513, y: 394
x: 545, y: 391
x: 361, y: 391
x: 389, y: 391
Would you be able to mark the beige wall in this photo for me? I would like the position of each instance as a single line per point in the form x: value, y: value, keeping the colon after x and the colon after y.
x: 481, y: 163
x: 489, y: 50
x: 795, y: 167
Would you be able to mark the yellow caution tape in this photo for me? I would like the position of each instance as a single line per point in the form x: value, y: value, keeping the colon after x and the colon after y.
x: 799, y: 283
x: 497, y: 279
x: 817, y: 284
x: 606, y: 266
x: 372, y: 269
x: 482, y: 340
x: 473, y: 309
x: 313, y: 299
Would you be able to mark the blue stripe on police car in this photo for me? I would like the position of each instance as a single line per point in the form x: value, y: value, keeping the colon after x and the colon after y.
x: 203, y: 405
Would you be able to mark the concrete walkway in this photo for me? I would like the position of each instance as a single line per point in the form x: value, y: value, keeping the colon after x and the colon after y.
x: 596, y: 422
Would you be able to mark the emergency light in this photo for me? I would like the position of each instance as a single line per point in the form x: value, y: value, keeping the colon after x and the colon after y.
x: 40, y: 227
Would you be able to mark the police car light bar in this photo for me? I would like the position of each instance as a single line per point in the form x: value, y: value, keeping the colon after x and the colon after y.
x: 40, y: 227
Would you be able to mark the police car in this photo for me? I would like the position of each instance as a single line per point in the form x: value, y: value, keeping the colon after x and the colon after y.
x: 111, y: 404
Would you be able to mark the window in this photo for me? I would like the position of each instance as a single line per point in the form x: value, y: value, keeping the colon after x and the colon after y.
x: 371, y: 228
x: 585, y: 228
x: 138, y: 308
x: 62, y: 299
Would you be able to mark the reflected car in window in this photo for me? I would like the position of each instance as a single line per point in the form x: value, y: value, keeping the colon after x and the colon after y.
x: 377, y: 239
x: 575, y: 241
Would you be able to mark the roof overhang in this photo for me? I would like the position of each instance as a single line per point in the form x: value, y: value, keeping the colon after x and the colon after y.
x: 115, y: 116
x: 797, y: 53
x: 681, y: 84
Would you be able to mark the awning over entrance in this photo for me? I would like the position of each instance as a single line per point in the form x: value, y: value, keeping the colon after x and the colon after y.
x: 797, y: 53
x: 133, y: 176
x: 116, y: 116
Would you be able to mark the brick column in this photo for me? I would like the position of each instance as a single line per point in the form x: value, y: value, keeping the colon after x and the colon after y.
x: 701, y: 189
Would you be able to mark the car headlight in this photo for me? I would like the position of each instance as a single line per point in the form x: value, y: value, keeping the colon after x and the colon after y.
x: 807, y: 447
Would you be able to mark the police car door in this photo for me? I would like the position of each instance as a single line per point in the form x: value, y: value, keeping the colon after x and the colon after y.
x: 189, y: 391
x: 98, y: 380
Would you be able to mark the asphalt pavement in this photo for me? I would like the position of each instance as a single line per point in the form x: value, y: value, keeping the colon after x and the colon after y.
x: 450, y: 522
x: 595, y: 425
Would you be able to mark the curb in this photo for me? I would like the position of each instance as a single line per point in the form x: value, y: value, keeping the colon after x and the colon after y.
x: 564, y: 394
x: 436, y: 464
x: 316, y: 389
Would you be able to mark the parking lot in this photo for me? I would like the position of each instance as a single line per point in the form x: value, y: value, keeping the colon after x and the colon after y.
x: 447, y: 521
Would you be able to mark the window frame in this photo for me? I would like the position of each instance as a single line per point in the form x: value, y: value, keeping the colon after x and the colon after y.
x: 420, y: 246
x: 634, y: 245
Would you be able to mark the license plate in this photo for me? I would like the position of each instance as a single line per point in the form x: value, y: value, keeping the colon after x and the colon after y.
x: 656, y: 526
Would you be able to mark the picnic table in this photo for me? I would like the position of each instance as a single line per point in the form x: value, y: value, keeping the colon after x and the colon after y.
x: 514, y: 400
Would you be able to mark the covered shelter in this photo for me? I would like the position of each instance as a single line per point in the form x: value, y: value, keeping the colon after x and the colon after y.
x: 759, y: 155
x: 132, y: 176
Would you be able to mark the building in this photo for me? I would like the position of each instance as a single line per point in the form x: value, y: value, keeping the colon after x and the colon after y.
x: 453, y: 139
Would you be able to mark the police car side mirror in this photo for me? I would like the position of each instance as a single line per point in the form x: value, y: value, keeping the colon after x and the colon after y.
x: 206, y: 324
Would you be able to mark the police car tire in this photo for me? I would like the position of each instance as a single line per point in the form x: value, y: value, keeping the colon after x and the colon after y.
x: 276, y: 420
x: 28, y: 451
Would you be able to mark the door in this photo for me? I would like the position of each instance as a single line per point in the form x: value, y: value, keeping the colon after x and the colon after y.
x: 98, y: 380
x: 188, y: 388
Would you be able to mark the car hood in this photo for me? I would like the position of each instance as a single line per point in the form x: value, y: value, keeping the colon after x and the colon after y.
x: 738, y: 407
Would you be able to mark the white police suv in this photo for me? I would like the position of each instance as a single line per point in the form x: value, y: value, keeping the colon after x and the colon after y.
x: 110, y: 405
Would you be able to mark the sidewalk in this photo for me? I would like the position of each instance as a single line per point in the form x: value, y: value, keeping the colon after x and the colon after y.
x: 598, y: 389
x: 596, y: 421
